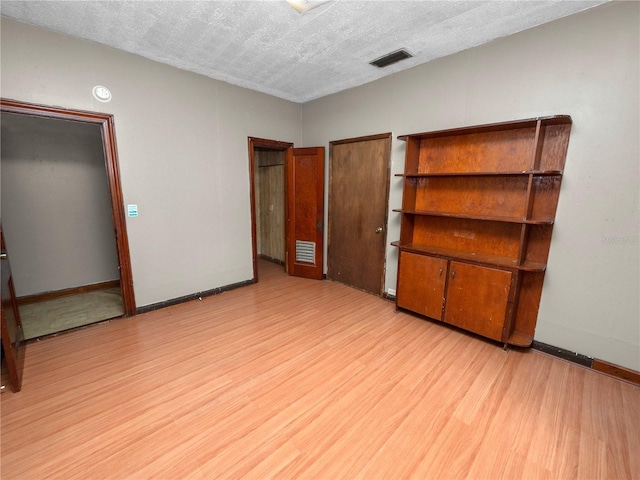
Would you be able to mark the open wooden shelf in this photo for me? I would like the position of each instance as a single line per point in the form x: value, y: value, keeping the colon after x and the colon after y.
x: 478, y: 259
x: 478, y: 209
x: 530, y: 221
x: 493, y: 127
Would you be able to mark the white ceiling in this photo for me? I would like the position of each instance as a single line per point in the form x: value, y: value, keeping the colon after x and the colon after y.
x: 269, y: 47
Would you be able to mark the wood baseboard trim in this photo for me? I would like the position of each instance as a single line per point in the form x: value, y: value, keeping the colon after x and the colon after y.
x: 592, y: 363
x: 69, y: 330
x: 41, y: 297
x: 563, y: 354
x: 193, y: 296
x: 616, y: 371
x: 391, y: 298
x: 271, y: 259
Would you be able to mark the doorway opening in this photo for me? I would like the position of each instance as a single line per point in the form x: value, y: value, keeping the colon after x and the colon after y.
x: 62, y: 203
x: 267, y: 163
x: 302, y: 197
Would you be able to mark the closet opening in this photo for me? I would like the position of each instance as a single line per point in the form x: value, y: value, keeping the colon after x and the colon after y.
x: 268, y: 174
x: 61, y: 205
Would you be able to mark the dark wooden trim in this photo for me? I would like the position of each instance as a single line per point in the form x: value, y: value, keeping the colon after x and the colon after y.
x: 11, y: 353
x: 253, y: 143
x: 43, y: 111
x: 193, y: 296
x: 119, y: 221
x: 616, y: 371
x: 386, y: 210
x: 13, y: 346
x: 270, y: 144
x: 107, y: 129
x: 271, y: 259
x: 380, y: 136
x: 252, y: 201
x: 391, y: 298
x: 41, y: 297
x: 562, y: 353
x: 601, y: 366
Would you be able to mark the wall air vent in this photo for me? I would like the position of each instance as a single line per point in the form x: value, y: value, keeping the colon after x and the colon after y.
x: 305, y: 252
x: 391, y: 58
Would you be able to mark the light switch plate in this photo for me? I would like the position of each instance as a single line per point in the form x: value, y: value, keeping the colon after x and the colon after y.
x: 132, y: 210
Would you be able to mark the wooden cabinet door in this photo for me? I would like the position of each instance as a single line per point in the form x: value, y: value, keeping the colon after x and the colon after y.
x: 421, y: 281
x: 477, y: 298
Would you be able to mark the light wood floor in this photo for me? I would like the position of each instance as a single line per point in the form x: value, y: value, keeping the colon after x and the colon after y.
x: 294, y: 378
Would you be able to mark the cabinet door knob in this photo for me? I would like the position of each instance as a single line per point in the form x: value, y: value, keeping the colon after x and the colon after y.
x: 379, y: 230
x: 453, y: 274
x: 440, y: 271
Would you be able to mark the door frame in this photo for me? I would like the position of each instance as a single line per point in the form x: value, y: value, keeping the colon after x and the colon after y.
x: 107, y: 129
x: 285, y: 147
x: 380, y: 136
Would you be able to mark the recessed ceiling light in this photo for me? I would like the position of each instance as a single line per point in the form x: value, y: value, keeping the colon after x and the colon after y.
x: 305, y: 5
x: 101, y: 93
x: 391, y: 58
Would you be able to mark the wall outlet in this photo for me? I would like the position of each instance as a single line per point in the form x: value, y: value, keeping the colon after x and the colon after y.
x: 391, y: 292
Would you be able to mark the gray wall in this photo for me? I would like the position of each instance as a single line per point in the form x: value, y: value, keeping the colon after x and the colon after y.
x: 182, y: 146
x: 182, y: 141
x: 586, y: 66
x: 56, y: 211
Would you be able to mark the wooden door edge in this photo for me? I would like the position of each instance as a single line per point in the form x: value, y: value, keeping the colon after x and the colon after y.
x: 385, y: 230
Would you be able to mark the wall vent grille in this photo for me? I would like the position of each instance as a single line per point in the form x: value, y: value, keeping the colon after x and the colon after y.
x: 305, y: 252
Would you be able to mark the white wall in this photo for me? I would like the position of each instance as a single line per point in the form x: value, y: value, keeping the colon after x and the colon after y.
x: 586, y: 66
x: 182, y: 145
x: 56, y: 210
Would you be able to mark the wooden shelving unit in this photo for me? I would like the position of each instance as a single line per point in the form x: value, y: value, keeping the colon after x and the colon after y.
x: 478, y: 210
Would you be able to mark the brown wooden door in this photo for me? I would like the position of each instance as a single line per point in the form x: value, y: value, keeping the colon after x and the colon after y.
x: 477, y: 298
x: 421, y: 281
x: 358, y: 201
x: 305, y: 212
x: 12, y: 335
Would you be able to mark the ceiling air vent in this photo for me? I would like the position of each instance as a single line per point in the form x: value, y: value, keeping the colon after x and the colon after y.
x: 391, y: 58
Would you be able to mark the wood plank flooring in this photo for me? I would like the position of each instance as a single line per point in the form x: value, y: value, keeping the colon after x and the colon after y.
x: 294, y: 378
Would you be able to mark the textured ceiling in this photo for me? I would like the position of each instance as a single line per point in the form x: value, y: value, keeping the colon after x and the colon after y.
x: 269, y: 47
